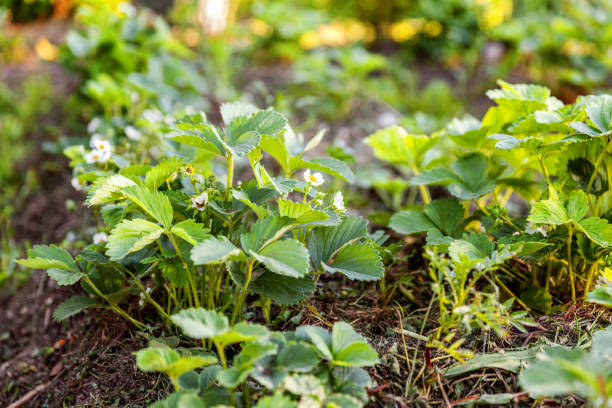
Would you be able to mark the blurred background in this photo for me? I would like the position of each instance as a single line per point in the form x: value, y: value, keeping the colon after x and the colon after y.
x: 71, y: 67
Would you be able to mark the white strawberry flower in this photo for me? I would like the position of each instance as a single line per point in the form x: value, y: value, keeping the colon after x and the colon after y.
x: 100, y: 238
x: 199, y: 202
x: 93, y: 156
x: 316, y: 179
x: 76, y: 184
x: 132, y: 133
x: 338, y: 201
x: 103, y: 145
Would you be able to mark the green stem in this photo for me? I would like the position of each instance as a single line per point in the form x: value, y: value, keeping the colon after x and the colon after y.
x: 194, y: 289
x: 570, y: 268
x: 113, y: 305
x: 221, y: 352
x: 149, y: 298
x: 423, y: 189
x: 546, y: 176
x: 594, y: 175
x: 592, y: 270
x: 240, y: 303
x: 230, y: 177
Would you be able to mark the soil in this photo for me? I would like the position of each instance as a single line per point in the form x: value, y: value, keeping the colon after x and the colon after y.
x: 85, y: 361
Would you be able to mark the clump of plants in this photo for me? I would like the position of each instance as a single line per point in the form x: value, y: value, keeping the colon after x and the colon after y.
x: 176, y: 229
x: 528, y: 215
x: 309, y: 366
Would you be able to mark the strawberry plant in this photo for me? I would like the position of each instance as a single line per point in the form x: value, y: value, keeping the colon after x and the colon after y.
x: 307, y: 366
x: 203, y: 242
x: 530, y: 181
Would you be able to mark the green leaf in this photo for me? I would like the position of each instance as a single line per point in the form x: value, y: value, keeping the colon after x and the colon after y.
x: 160, y: 173
x: 333, y: 167
x: 305, y: 385
x: 200, y: 142
x: 214, y: 250
x: 130, y: 236
x: 350, y: 348
x: 281, y: 289
x: 600, y: 114
x: 468, y: 179
x: 72, y: 306
x: 200, y: 323
x: 190, y: 231
x: 287, y: 257
x: 244, y: 363
x: 194, y: 130
x: 597, y: 229
x: 107, y: 189
x: 601, y: 295
x: 509, y: 361
x: 64, y: 277
x: 276, y: 148
x: 439, y: 175
x: 323, y: 242
x: 154, y: 203
x: 240, y: 333
x: 549, y: 211
x: 358, y: 262
x: 300, y: 212
x: 265, y: 229
x: 397, y: 146
x: 278, y: 400
x: 52, y: 256
x: 319, y: 337
x: 190, y: 401
x: 445, y: 215
x: 297, y: 358
x: 169, y: 361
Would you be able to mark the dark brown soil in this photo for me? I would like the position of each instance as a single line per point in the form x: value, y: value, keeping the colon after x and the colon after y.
x: 85, y: 361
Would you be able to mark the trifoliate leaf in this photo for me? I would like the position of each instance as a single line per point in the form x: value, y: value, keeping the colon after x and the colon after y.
x: 445, y: 215
x: 214, y: 250
x: 600, y: 115
x: 265, y: 229
x: 357, y: 261
x: 302, y: 213
x: 323, y: 242
x: 333, y: 167
x: 468, y: 179
x: 51, y: 256
x: 72, y: 306
x: 169, y: 361
x: 287, y: 257
x: 190, y: 231
x: 601, y: 295
x: 597, y: 229
x: 154, y: 203
x: 108, y: 189
x: 200, y: 323
x: 130, y: 236
x: 160, y: 173
x: 397, y: 146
